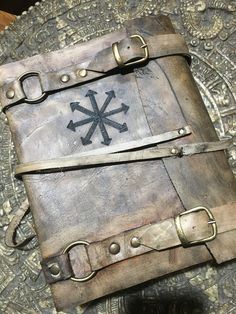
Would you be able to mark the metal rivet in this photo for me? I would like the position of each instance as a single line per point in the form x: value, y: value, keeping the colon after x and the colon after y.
x: 65, y: 78
x: 82, y: 73
x: 181, y: 131
x: 114, y: 248
x: 174, y: 151
x: 10, y: 93
x: 54, y: 269
x: 135, y: 242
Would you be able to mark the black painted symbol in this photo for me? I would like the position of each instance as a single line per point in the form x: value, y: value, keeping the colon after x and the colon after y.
x: 98, y: 117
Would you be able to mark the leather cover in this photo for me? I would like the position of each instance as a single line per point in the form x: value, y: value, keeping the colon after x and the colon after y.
x: 97, y: 203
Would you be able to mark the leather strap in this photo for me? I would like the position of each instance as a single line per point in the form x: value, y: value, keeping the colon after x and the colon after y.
x: 73, y: 162
x: 199, y: 225
x: 60, y: 162
x: 13, y: 226
x: 195, y: 224
x: 101, y: 64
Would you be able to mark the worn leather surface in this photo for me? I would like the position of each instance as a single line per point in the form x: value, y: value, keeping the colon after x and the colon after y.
x: 222, y: 100
x: 87, y: 214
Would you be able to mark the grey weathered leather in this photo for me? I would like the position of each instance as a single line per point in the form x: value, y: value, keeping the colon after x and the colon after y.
x: 94, y: 204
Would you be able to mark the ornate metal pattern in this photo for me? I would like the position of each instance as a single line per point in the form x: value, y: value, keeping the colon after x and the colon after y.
x: 209, y: 28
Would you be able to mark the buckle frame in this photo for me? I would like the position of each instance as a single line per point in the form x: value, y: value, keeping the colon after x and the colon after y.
x: 118, y: 58
x: 183, y: 239
x: 23, y: 77
x: 67, y: 249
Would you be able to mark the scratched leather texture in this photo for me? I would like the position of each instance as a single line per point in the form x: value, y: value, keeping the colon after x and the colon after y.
x: 209, y: 28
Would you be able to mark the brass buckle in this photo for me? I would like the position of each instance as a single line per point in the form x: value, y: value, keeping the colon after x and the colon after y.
x: 67, y: 249
x: 185, y: 242
x: 118, y: 58
x: 23, y: 77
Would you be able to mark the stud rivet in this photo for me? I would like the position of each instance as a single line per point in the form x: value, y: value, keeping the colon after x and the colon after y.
x: 10, y: 93
x: 181, y: 131
x: 54, y: 269
x: 114, y: 248
x: 65, y: 78
x: 174, y: 151
x: 82, y: 72
x: 135, y: 242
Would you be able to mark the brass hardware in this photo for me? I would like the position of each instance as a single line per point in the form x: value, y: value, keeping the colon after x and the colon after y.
x: 118, y: 58
x: 177, y: 151
x: 114, y: 248
x: 82, y: 72
x: 135, y: 242
x: 54, y: 269
x: 23, y: 77
x: 65, y: 78
x: 181, y: 131
x: 116, y: 54
x: 67, y: 249
x: 185, y: 242
x: 10, y: 93
x: 174, y: 151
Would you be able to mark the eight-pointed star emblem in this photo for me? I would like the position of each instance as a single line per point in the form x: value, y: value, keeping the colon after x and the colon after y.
x: 98, y: 117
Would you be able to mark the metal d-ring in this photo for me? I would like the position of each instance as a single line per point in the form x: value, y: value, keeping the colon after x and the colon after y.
x: 23, y: 77
x: 67, y: 249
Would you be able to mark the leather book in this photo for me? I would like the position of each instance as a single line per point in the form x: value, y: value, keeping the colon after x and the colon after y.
x: 125, y: 175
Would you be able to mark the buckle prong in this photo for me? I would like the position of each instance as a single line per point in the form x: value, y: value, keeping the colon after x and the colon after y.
x: 118, y: 58
x: 183, y: 239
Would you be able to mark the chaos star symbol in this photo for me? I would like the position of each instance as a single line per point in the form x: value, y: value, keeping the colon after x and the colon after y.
x: 98, y: 118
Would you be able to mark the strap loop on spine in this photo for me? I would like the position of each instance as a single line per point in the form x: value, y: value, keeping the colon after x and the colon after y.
x: 14, y: 224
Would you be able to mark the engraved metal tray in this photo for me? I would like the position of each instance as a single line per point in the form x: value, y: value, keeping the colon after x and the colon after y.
x: 209, y: 28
